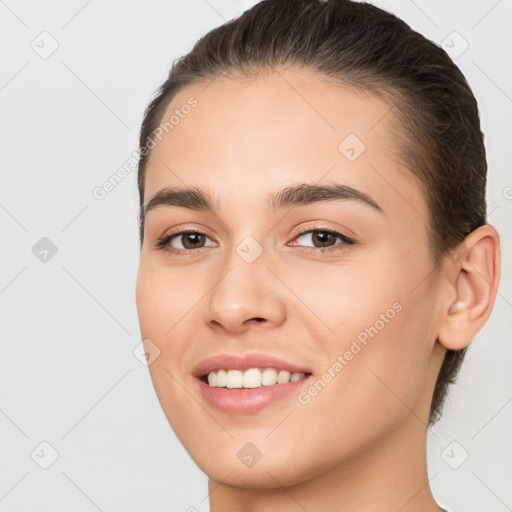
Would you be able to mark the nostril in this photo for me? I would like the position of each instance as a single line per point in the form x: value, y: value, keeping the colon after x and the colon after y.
x: 255, y: 319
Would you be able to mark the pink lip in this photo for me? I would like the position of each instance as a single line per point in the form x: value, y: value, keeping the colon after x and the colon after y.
x: 246, y: 400
x: 244, y: 362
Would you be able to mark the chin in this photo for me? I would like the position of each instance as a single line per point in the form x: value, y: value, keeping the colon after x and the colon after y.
x: 262, y: 476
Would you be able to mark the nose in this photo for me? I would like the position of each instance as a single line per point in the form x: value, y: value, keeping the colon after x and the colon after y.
x: 246, y: 294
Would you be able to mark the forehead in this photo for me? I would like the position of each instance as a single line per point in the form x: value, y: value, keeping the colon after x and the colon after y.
x: 255, y: 135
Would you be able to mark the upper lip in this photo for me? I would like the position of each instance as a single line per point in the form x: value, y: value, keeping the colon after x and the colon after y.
x: 244, y: 362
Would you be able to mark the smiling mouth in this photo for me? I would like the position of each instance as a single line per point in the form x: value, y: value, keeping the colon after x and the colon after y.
x: 251, y: 378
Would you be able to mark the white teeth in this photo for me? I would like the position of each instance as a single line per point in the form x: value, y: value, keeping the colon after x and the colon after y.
x: 252, y: 378
x: 221, y: 378
x: 283, y: 377
x: 234, y: 379
x: 269, y: 377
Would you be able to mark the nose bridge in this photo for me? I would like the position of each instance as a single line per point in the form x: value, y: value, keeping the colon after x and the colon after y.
x: 245, y: 288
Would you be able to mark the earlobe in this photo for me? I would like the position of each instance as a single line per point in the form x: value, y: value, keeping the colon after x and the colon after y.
x: 475, y: 278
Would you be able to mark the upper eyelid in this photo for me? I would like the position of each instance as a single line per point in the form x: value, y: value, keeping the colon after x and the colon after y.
x: 300, y: 232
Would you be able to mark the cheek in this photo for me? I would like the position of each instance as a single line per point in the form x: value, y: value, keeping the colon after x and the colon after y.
x: 160, y: 308
x: 381, y: 333
x: 167, y: 317
x: 373, y: 377
x: 148, y: 299
x: 162, y: 299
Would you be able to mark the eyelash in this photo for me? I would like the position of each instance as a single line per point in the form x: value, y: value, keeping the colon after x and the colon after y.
x: 163, y: 242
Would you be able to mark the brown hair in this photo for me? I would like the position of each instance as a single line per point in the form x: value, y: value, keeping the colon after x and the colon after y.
x: 437, y: 133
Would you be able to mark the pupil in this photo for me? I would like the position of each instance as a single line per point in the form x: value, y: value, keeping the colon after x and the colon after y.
x: 322, y: 235
x: 189, y: 236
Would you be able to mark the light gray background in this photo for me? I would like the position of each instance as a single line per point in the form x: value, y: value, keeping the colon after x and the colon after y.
x: 69, y: 325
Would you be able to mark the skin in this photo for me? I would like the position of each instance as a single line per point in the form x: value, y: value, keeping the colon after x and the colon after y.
x: 360, y: 443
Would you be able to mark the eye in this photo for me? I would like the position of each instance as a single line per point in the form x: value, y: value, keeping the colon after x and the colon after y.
x: 190, y: 241
x: 324, y: 239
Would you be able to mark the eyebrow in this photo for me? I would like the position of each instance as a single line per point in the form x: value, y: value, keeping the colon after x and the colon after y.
x: 196, y: 198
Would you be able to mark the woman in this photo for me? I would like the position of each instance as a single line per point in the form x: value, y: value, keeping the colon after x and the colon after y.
x: 315, y: 254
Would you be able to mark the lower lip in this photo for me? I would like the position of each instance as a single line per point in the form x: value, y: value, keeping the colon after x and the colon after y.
x: 247, y: 400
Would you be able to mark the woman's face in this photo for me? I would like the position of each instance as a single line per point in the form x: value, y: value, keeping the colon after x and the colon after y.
x: 359, y: 318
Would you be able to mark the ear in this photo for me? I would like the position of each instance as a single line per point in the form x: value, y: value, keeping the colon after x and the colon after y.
x: 474, y: 271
